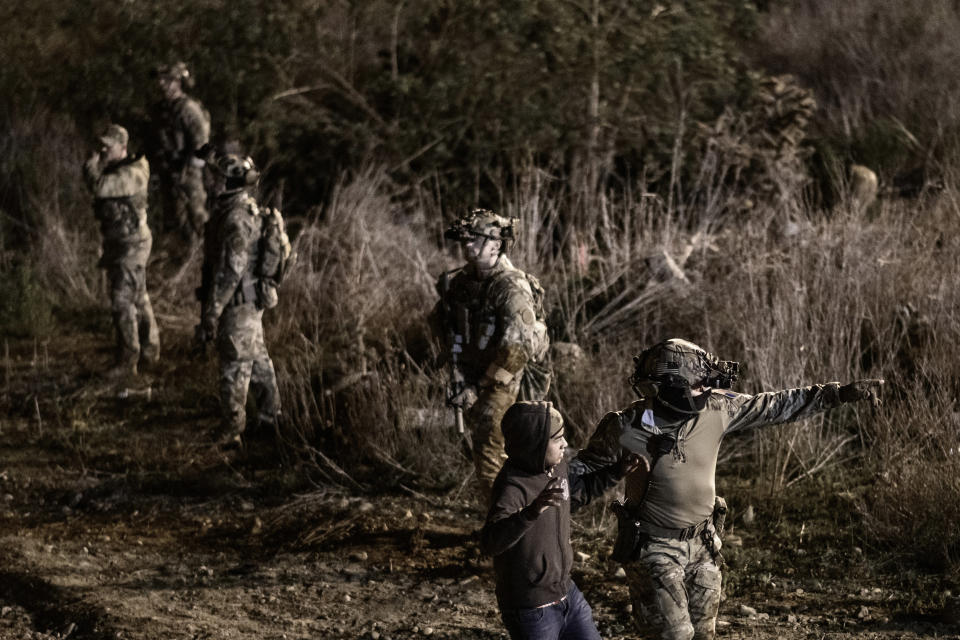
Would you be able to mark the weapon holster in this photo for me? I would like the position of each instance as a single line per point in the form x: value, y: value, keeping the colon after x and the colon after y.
x: 629, y: 537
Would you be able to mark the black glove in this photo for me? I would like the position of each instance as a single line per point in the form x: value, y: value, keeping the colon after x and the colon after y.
x: 868, y: 389
x: 629, y: 462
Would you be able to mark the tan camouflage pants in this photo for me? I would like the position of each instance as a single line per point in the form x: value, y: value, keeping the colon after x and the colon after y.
x: 245, y: 363
x: 185, y: 202
x: 483, y: 420
x: 133, y: 318
x: 675, y: 589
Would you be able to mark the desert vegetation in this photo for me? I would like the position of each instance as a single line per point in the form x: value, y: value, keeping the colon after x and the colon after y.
x: 679, y: 170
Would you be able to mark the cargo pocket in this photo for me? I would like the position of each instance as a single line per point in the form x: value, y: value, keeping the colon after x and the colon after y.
x: 703, y: 595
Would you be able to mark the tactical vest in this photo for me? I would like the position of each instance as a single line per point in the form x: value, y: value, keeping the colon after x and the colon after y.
x: 472, y: 308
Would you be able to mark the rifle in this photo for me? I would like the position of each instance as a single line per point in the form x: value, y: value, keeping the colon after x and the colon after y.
x: 455, y: 339
x: 456, y: 378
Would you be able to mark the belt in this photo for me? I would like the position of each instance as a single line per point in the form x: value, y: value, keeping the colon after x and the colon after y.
x: 679, y: 534
x: 550, y: 604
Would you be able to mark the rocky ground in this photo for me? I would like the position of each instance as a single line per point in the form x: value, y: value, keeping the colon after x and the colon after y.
x: 119, y: 521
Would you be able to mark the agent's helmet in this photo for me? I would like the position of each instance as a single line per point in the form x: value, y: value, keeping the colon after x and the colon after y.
x: 485, y: 223
x: 669, y: 370
x: 176, y: 71
x: 238, y: 172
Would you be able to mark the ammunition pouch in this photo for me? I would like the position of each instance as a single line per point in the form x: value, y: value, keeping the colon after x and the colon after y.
x: 630, y: 538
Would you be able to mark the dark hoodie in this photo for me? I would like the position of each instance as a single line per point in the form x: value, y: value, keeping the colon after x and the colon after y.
x: 532, y: 558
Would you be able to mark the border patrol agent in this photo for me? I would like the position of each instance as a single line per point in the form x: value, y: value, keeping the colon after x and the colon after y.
x: 490, y: 315
x: 184, y: 129
x: 670, y: 528
x: 119, y: 185
x: 232, y: 299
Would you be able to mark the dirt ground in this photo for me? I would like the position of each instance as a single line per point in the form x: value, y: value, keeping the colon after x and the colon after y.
x: 120, y: 521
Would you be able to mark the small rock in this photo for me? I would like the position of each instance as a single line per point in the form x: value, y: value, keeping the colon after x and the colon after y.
x: 469, y: 580
x: 346, y: 597
x: 628, y: 609
x: 365, y: 507
x: 582, y: 557
x: 858, y: 551
x: 428, y: 631
x: 792, y: 619
x: 408, y: 514
x: 8, y: 497
x: 763, y: 616
x: 257, y: 526
x: 620, y: 573
x: 375, y: 635
x: 748, y: 515
x: 747, y: 612
x: 359, y: 556
x: 4, y: 611
x: 863, y: 613
x: 799, y: 591
x: 723, y: 624
x: 246, y: 505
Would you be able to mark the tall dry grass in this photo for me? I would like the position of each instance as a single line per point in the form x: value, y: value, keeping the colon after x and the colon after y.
x: 797, y: 298
x: 44, y: 205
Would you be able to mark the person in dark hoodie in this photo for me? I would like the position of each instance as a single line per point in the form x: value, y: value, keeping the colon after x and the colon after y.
x: 527, y: 530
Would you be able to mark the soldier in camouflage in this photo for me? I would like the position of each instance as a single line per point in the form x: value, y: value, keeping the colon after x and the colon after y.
x: 119, y: 186
x: 671, y: 521
x: 490, y: 315
x: 231, y: 305
x: 183, y: 128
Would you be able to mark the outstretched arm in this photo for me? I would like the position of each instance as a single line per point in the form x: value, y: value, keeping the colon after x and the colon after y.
x: 777, y: 407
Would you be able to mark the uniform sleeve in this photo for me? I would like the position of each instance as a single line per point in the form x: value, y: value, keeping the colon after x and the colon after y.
x: 228, y: 270
x: 437, y: 318
x: 505, y: 524
x: 518, y: 319
x: 92, y: 170
x: 196, y: 126
x: 603, y: 448
x: 777, y: 407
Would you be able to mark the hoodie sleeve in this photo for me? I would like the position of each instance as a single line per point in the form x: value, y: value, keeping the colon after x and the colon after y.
x: 506, y: 523
x: 587, y: 484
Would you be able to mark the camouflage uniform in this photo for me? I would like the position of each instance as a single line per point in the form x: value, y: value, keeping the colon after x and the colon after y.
x: 502, y: 347
x: 183, y: 128
x: 120, y: 205
x: 232, y: 311
x: 675, y: 578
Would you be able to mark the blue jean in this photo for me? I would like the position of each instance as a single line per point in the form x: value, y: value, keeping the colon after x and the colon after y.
x: 570, y: 619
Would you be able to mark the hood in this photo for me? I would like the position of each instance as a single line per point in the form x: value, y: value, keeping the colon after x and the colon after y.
x: 526, y: 430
